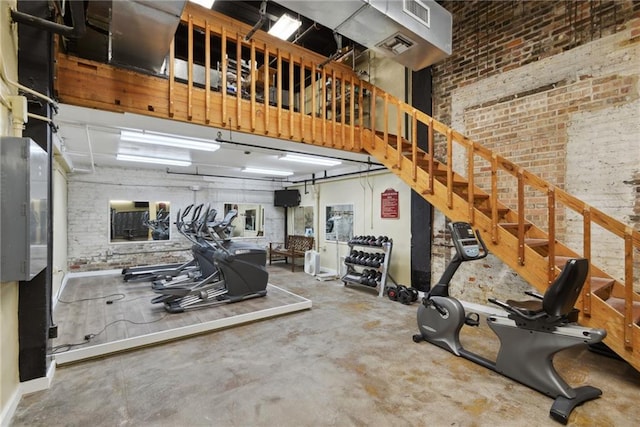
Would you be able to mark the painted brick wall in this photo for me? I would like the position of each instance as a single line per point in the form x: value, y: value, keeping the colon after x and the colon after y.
x: 88, y: 213
x: 492, y: 37
x: 552, y: 86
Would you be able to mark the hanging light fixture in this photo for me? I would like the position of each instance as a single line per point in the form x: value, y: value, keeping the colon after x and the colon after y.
x: 267, y: 171
x: 168, y: 140
x: 322, y: 161
x: 284, y: 27
x: 154, y: 160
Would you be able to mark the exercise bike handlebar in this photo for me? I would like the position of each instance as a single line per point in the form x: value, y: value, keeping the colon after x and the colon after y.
x: 485, y: 251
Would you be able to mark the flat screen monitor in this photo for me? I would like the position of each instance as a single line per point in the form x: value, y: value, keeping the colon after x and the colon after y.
x: 286, y: 198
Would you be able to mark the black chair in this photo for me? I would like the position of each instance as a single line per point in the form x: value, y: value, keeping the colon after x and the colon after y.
x: 556, y: 306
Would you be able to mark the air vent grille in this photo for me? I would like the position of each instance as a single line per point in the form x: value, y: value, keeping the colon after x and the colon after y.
x: 418, y: 10
x: 396, y: 44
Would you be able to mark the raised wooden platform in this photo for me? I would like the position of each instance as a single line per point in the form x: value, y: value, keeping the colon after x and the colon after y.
x: 100, y: 314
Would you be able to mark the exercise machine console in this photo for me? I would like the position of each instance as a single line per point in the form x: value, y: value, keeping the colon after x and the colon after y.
x: 530, y: 333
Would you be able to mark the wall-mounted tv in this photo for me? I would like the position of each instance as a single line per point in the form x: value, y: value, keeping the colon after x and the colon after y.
x: 286, y: 198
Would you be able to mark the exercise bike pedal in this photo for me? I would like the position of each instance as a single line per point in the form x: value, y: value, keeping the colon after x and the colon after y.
x: 472, y: 319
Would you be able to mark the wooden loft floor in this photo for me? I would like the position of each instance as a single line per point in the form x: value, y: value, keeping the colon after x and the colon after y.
x: 268, y: 87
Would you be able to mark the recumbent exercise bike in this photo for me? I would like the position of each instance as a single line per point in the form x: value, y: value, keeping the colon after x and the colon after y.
x: 530, y: 334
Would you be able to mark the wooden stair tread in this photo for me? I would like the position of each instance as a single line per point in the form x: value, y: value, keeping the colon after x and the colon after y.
x: 618, y: 305
x: 463, y: 187
x: 560, y: 261
x: 514, y: 225
x: 534, y: 243
x: 598, y: 283
x: 481, y: 196
x: 488, y: 210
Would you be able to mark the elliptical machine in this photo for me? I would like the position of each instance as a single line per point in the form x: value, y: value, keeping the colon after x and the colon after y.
x: 530, y: 334
x: 238, y: 272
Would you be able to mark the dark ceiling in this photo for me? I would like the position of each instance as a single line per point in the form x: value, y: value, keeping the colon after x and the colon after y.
x: 318, y: 39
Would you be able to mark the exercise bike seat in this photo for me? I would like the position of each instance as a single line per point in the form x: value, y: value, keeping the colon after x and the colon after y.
x: 557, y: 303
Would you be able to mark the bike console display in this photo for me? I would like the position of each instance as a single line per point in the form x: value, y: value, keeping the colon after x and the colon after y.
x: 468, y: 244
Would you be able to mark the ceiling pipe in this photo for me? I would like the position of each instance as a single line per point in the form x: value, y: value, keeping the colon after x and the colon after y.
x: 304, y: 33
x: 315, y: 179
x: 77, y: 15
x: 263, y: 16
x: 244, y: 144
x: 338, y: 39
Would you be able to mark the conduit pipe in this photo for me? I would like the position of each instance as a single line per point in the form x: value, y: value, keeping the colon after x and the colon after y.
x: 263, y: 15
x: 77, y: 16
x: 93, y: 167
x: 5, y: 77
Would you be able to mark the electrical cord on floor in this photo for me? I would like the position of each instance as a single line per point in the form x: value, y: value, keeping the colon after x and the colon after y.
x: 89, y: 337
x: 119, y: 297
x: 66, y: 347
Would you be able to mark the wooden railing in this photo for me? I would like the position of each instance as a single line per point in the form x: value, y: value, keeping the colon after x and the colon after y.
x: 333, y: 108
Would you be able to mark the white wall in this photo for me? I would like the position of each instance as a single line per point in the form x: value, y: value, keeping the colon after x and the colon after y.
x: 88, y: 213
x: 365, y: 195
x: 9, y: 379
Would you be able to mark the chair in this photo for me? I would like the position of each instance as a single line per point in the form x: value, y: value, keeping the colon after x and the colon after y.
x: 556, y: 306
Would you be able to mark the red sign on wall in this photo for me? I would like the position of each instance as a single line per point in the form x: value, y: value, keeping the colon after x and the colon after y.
x: 389, y: 204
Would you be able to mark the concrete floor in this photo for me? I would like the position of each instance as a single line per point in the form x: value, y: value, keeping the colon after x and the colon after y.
x: 349, y: 361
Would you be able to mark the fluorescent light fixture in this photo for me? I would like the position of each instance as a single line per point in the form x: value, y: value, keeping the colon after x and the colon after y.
x: 156, y: 160
x: 267, y: 171
x: 168, y: 140
x: 284, y: 27
x: 320, y: 161
x: 204, y: 3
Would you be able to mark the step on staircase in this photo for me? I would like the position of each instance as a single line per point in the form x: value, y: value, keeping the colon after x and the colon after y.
x: 532, y: 250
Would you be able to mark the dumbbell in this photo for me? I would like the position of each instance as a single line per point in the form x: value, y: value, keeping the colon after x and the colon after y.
x: 372, y: 279
x: 392, y: 293
x: 407, y: 295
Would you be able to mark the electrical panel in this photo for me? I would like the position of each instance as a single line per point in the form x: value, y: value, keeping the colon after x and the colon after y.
x: 24, y: 207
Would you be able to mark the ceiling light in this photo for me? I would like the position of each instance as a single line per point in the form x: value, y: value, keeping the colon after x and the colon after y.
x: 312, y: 160
x: 156, y: 160
x: 284, y: 27
x: 168, y: 140
x: 267, y: 171
x: 204, y: 3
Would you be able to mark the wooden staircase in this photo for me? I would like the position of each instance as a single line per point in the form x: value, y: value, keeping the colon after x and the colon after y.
x: 463, y: 182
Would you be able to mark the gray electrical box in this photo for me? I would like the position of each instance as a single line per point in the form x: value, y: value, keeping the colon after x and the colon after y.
x: 24, y: 205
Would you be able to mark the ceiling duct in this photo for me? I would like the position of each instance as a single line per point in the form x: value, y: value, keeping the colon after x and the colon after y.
x: 133, y: 33
x: 142, y: 30
x: 415, y: 33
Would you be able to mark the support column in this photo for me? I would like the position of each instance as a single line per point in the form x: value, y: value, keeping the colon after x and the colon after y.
x: 421, y: 210
x: 35, y: 56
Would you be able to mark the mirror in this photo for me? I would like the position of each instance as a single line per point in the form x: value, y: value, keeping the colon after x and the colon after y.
x: 303, y: 221
x: 250, y: 219
x: 339, y: 223
x: 139, y: 221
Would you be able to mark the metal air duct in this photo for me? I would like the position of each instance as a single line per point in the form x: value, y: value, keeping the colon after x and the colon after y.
x: 415, y: 33
x: 131, y: 33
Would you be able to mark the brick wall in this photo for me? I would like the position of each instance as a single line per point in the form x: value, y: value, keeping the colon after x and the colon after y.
x: 492, y: 37
x: 553, y: 87
x: 89, y: 247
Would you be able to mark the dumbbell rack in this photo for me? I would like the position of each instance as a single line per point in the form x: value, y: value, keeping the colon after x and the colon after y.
x: 354, y: 270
